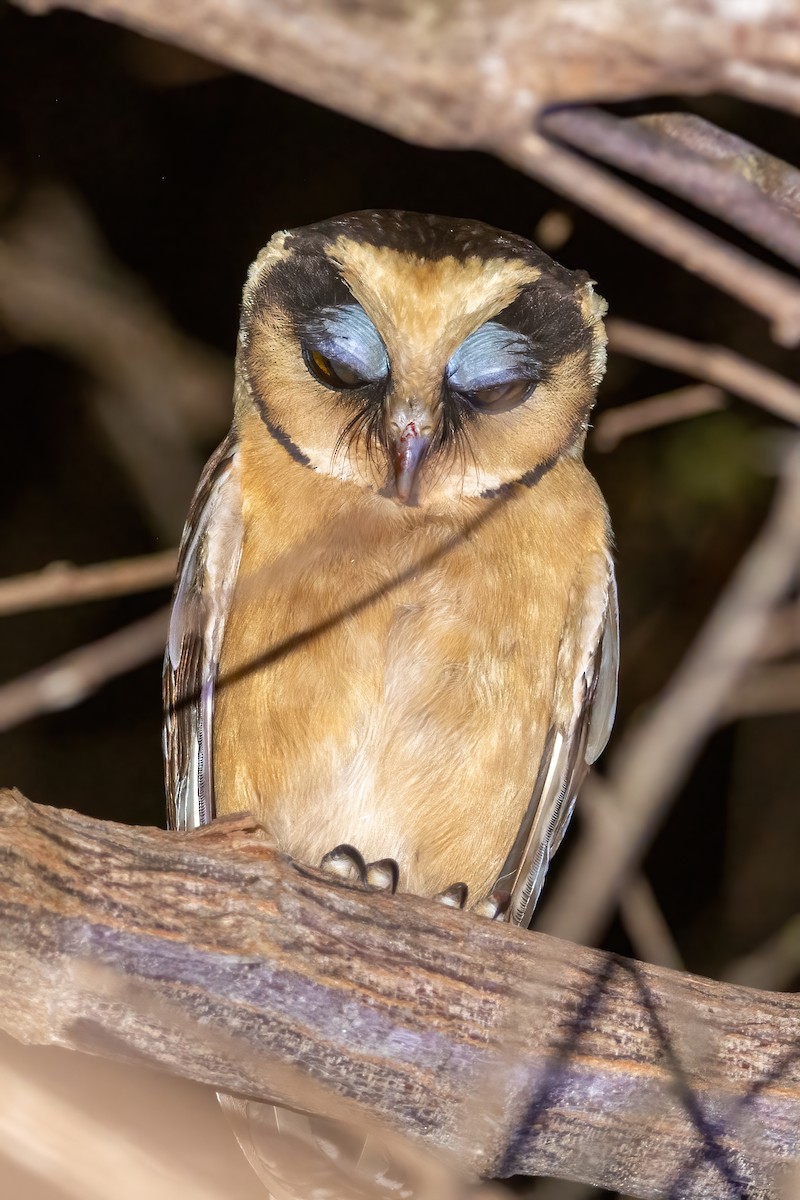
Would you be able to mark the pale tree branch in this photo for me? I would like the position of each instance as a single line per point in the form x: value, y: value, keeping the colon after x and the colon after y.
x: 63, y: 583
x: 775, y: 964
x: 219, y: 959
x: 459, y: 72
x: 769, y: 689
x: 76, y: 675
x: 92, y: 1129
x: 613, y: 425
x: 777, y: 180
x: 716, y: 364
x: 754, y: 284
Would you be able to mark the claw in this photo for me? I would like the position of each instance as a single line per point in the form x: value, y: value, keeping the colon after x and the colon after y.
x: 454, y: 897
x: 344, y: 862
x: 494, y: 907
x: 383, y: 874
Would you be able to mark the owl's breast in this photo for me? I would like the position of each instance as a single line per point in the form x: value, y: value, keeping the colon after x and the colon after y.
x: 390, y: 687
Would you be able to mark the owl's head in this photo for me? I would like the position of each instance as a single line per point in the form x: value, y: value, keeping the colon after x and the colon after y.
x: 421, y: 357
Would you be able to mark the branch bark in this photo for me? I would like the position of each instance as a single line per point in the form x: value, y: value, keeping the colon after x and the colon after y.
x: 212, y: 955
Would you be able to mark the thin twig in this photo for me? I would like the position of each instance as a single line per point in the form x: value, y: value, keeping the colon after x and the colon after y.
x: 653, y: 758
x: 613, y: 425
x: 774, y: 965
x: 62, y: 583
x: 648, y: 151
x: 70, y: 679
x: 756, y: 285
x: 646, y: 926
x: 716, y: 364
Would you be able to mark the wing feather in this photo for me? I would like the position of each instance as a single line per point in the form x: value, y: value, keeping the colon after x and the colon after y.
x: 570, y: 747
x: 207, y: 566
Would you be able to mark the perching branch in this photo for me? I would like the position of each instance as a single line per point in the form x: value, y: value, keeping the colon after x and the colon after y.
x: 217, y: 958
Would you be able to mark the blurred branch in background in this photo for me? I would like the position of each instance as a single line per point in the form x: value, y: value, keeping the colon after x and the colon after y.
x: 613, y: 425
x: 62, y: 583
x: 652, y: 758
x: 774, y: 965
x: 93, y: 1130
x: 123, y: 926
x: 715, y: 364
x: 76, y: 675
x: 154, y: 391
x: 479, y: 74
x: 769, y: 292
x: 681, y: 152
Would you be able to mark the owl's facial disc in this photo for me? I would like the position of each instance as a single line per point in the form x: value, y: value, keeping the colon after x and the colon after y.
x: 425, y: 359
x: 493, y: 371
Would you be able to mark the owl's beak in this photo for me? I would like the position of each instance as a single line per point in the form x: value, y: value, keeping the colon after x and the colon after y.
x: 409, y: 447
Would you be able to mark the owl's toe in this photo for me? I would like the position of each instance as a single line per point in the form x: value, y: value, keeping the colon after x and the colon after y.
x: 344, y: 862
x: 454, y: 897
x: 495, y: 906
x: 383, y: 874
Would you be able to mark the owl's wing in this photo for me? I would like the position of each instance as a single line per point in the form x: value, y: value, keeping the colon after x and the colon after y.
x: 207, y: 566
x: 589, y: 656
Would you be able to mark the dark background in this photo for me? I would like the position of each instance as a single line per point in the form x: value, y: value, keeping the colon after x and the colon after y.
x: 186, y: 170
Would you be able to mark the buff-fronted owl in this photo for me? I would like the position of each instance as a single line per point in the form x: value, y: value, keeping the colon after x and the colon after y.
x: 394, y: 635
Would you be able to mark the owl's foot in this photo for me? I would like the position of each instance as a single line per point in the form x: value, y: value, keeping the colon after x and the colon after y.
x: 454, y: 897
x: 494, y: 906
x: 344, y: 862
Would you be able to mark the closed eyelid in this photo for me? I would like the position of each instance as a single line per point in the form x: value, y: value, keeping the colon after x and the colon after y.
x: 491, y: 356
x: 345, y: 334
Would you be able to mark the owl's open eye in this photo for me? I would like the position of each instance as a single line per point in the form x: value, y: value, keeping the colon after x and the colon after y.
x: 333, y: 373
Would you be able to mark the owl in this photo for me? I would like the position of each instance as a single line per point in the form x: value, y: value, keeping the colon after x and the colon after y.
x: 394, y: 633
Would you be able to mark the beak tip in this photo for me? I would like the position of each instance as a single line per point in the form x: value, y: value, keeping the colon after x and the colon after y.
x: 410, y: 447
